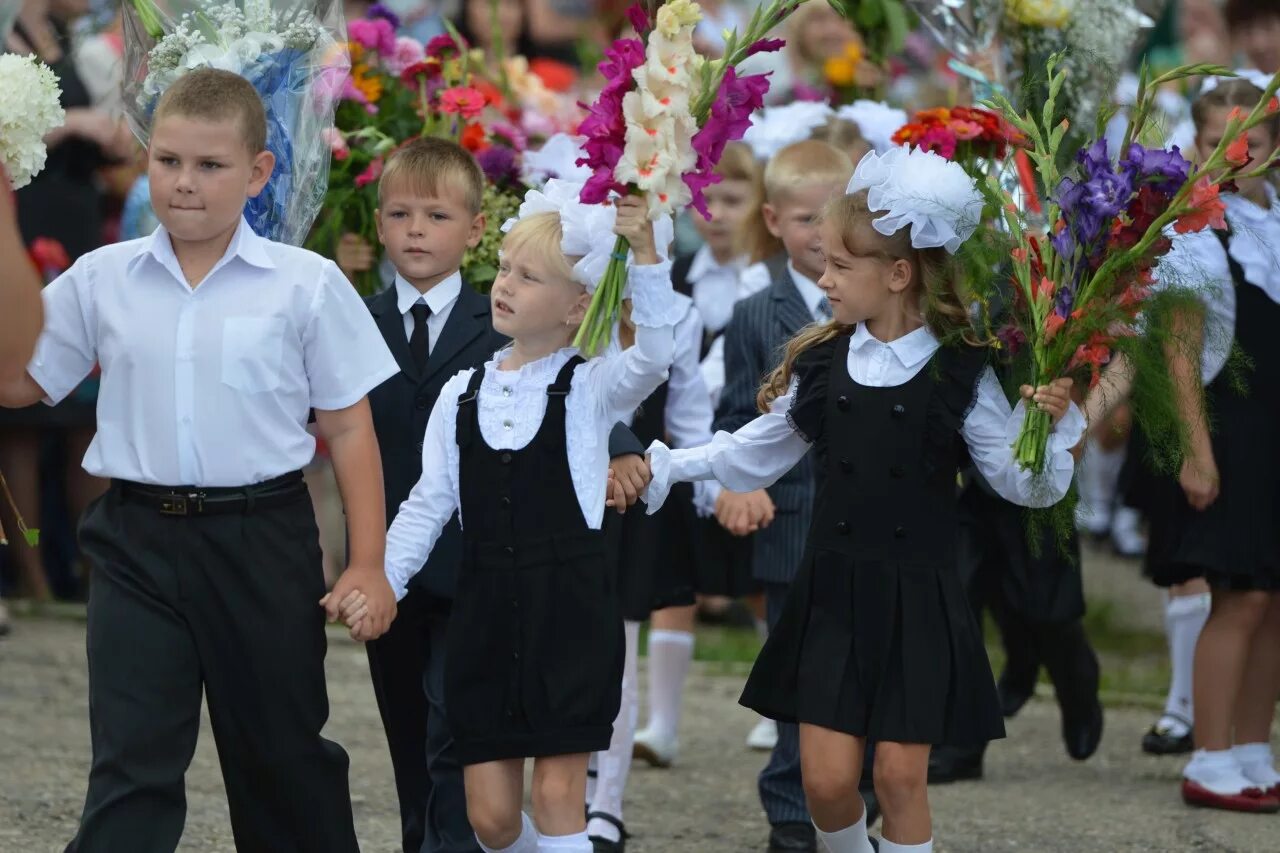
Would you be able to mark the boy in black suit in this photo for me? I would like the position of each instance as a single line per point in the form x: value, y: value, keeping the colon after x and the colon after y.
x: 428, y: 216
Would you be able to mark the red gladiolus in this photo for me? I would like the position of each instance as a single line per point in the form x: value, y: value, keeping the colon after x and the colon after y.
x: 1207, y: 209
x: 1052, y: 324
x: 1046, y: 288
x: 1238, y: 151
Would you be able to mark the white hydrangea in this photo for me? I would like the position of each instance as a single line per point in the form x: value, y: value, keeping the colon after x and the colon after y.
x: 29, y: 109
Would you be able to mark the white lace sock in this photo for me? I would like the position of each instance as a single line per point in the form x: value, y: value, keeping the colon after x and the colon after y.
x: 1184, y: 616
x: 576, y: 843
x: 526, y: 843
x: 670, y: 653
x: 851, y: 839
x: 1257, y: 763
x: 614, y: 766
x: 1219, y: 771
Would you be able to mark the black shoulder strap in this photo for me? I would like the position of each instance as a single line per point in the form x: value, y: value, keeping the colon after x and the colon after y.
x: 1237, y: 271
x: 564, y: 379
x: 468, y: 410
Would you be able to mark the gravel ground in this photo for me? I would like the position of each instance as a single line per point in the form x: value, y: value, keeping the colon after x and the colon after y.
x: 1033, y: 799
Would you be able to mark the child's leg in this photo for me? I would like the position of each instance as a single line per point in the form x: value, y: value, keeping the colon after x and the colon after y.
x: 559, y: 790
x: 670, y: 654
x: 1256, y: 706
x: 1221, y: 655
x: 614, y: 766
x: 831, y: 766
x: 144, y: 687
x: 901, y: 774
x: 495, y: 791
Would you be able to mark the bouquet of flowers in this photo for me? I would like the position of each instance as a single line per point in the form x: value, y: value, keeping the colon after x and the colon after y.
x: 285, y: 48
x: 1079, y: 289
x: 662, y: 121
x: 29, y: 109
x: 962, y: 134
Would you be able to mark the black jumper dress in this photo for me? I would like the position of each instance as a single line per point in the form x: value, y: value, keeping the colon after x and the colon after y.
x: 1235, y: 543
x: 535, y: 647
x: 877, y: 638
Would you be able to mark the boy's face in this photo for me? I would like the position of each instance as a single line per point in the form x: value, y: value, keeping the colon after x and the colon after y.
x: 426, y: 236
x: 1261, y: 144
x: 201, y: 173
x: 728, y: 202
x: 793, y: 220
x: 530, y: 300
x: 1259, y: 41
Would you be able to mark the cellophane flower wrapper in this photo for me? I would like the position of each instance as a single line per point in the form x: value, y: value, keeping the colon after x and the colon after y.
x: 288, y: 49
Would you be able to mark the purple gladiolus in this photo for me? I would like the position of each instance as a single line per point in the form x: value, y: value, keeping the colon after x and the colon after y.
x: 729, y: 118
x: 765, y: 46
x: 638, y: 17
x: 1063, y: 302
x: 1165, y: 171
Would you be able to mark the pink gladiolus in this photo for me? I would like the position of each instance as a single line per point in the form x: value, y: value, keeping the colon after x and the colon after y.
x: 729, y: 118
x: 604, y: 126
x: 766, y: 46
x: 638, y: 17
x: 370, y: 174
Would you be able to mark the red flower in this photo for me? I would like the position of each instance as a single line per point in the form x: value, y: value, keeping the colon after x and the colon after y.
x: 49, y: 256
x: 1207, y: 210
x: 370, y: 175
x: 1046, y: 288
x: 1238, y: 151
x: 1273, y: 106
x: 465, y: 101
x: 443, y: 47
x: 1052, y: 324
x: 556, y: 76
x: 1094, y: 354
x: 473, y: 138
x: 428, y: 69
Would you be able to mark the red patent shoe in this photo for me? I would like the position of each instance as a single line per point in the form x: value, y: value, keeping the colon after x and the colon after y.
x: 1248, y: 800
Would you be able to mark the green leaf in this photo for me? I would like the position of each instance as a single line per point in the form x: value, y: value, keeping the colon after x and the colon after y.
x: 870, y: 14
x: 899, y: 25
x: 32, y: 535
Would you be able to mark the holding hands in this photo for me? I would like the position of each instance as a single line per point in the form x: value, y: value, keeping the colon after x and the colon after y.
x: 629, y: 476
x: 363, y: 600
x: 742, y: 513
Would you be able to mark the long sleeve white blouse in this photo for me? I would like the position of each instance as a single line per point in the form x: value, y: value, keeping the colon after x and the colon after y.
x: 511, y: 405
x: 762, y: 451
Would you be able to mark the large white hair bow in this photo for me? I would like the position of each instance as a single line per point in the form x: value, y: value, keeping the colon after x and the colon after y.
x: 1258, y: 78
x: 774, y: 128
x: 586, y: 229
x: 918, y: 189
x: 877, y: 121
x: 557, y: 158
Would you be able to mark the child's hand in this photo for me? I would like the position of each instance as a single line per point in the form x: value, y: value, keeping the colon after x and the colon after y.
x: 353, y: 255
x: 363, y: 599
x: 743, y: 513
x: 1199, y: 479
x: 629, y: 476
x: 633, y: 222
x: 1054, y: 398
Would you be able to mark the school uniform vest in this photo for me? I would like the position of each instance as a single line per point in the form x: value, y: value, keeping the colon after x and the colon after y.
x: 535, y: 648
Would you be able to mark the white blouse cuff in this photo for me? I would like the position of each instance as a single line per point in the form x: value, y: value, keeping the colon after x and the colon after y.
x: 660, y: 483
x: 653, y: 302
x: 1059, y: 466
x: 1067, y: 432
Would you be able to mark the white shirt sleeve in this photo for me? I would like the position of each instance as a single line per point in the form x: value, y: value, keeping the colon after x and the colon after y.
x: 67, y: 348
x: 343, y: 350
x: 622, y: 380
x: 990, y: 431
x: 435, y: 497
x: 754, y: 457
x: 689, y: 413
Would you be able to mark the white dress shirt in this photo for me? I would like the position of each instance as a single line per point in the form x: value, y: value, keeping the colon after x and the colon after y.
x: 511, y: 406
x: 211, y: 385
x: 440, y: 299
x: 762, y: 451
x: 1197, y: 261
x: 715, y: 288
x: 810, y: 293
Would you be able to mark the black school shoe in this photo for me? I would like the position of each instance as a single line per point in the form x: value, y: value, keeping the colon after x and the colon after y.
x: 1160, y: 740
x: 792, y: 838
x: 955, y: 763
x: 604, y: 845
x: 1082, y: 731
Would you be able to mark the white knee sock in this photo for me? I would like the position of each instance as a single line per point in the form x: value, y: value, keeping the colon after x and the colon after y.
x: 1183, y: 618
x: 1257, y: 763
x: 887, y: 846
x: 526, y: 843
x: 670, y: 653
x: 576, y: 843
x: 851, y: 839
x: 614, y: 766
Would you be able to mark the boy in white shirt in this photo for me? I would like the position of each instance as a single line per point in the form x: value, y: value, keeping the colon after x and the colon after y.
x: 215, y: 344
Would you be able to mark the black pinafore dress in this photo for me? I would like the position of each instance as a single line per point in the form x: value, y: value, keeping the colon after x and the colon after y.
x: 1235, y: 542
x: 535, y: 646
x: 877, y: 638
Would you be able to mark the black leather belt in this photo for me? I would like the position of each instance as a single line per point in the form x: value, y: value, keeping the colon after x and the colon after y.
x: 214, y: 500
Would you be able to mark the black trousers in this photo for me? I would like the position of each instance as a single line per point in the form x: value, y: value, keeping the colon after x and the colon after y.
x: 407, y: 666
x: 227, y: 606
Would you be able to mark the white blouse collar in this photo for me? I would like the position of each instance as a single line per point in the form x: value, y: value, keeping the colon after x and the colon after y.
x: 545, y: 367
x: 705, y: 263
x: 911, y: 349
x: 1255, y: 241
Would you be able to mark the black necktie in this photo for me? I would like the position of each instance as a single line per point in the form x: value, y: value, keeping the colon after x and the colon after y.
x: 419, y: 341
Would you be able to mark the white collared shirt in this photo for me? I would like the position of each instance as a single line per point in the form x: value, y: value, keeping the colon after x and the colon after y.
x: 511, y: 405
x: 762, y: 451
x: 1197, y: 261
x: 440, y: 299
x: 809, y: 292
x: 211, y: 385
x: 715, y: 288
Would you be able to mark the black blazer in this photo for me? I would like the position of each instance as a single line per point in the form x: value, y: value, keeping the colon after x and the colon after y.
x: 402, y: 405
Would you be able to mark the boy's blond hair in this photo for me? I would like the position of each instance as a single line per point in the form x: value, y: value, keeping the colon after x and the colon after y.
x: 212, y: 95
x: 797, y: 166
x: 430, y: 166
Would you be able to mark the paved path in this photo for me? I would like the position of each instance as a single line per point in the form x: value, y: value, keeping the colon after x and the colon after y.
x: 1034, y: 798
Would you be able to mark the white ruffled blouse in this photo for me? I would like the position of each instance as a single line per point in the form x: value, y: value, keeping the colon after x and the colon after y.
x: 762, y: 451
x: 512, y: 404
x: 1197, y: 261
